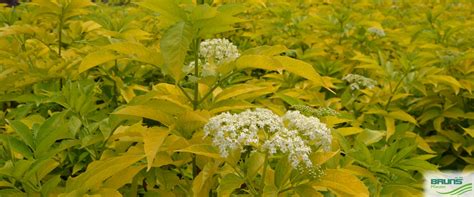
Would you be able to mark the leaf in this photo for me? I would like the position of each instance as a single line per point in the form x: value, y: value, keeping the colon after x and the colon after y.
x: 342, y: 183
x: 96, y: 58
x: 345, y: 131
x: 138, y: 52
x: 306, y: 190
x: 228, y: 184
x: 320, y: 158
x: 401, y: 115
x: 23, y: 131
x: 390, y: 125
x: 190, y: 121
x: 300, y: 68
x: 202, y: 149
x: 237, y: 90
x: 146, y: 112
x: 168, y: 9
x: 282, y: 173
x: 266, y: 50
x: 230, y: 104
x: 469, y: 131
x: 369, y: 136
x: 53, y: 129
x: 100, y: 170
x: 123, y: 177
x: 422, y: 144
x: 258, y: 61
x: 202, y: 183
x: 174, y: 46
x: 254, y: 164
x: 152, y: 139
x: 448, y: 80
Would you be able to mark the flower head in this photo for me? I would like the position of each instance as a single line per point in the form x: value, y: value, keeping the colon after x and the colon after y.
x: 377, y: 31
x: 357, y: 82
x: 293, y: 134
x: 218, y: 51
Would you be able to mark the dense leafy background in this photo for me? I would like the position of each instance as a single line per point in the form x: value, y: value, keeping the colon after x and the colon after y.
x: 94, y: 99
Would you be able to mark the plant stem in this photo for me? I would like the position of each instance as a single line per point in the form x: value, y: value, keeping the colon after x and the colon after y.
x: 196, y: 73
x: 395, y: 90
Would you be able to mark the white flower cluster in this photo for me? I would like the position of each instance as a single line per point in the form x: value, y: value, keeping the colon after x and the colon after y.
x: 232, y: 131
x: 293, y: 134
x: 377, y: 31
x: 358, y: 81
x: 212, y: 53
x: 311, y: 128
x: 218, y: 51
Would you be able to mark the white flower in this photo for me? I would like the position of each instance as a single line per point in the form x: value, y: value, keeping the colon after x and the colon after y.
x: 218, y: 51
x: 293, y: 134
x: 313, y: 131
x: 289, y: 142
x: 357, y: 82
x: 377, y: 31
x: 232, y: 131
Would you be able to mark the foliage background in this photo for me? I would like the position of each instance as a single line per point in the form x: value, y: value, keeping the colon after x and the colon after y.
x: 94, y: 100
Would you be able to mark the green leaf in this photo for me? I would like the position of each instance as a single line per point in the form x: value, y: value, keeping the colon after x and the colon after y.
x: 254, y: 164
x: 95, y: 59
x: 23, y: 131
x: 53, y: 129
x: 228, y: 184
x: 17, y: 146
x: 282, y: 173
x: 174, y: 46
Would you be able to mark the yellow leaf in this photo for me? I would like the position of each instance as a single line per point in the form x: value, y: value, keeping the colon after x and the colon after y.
x: 320, y: 158
x: 137, y: 52
x: 422, y: 144
x: 345, y: 131
x: 342, y: 183
x: 228, y: 105
x: 258, y: 61
x: 237, y: 90
x: 152, y: 139
x: 300, y: 68
x: 202, y: 149
x: 390, y: 125
x: 469, y: 131
x: 146, y: 112
x: 401, y: 115
x: 96, y: 58
x: 448, y: 80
